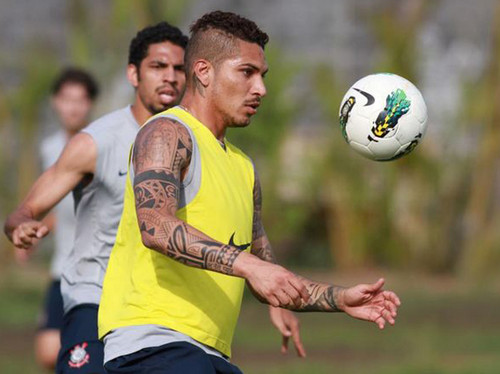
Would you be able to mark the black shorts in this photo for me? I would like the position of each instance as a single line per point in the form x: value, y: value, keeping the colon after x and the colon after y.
x: 172, y: 358
x: 81, y: 350
x: 51, y: 317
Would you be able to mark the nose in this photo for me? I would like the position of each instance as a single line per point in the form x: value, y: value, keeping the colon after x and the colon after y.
x: 169, y: 74
x: 259, y: 87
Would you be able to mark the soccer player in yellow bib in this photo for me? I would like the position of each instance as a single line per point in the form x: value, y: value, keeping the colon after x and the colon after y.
x: 191, y: 232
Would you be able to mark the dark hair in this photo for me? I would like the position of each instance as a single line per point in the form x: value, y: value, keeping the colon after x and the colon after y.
x: 161, y: 32
x: 214, y: 36
x: 78, y: 76
x: 232, y: 24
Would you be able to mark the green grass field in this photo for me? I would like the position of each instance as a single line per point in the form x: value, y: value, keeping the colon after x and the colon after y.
x: 444, y: 326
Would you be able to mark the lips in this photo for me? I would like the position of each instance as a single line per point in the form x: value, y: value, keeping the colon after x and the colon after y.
x: 252, y: 106
x: 167, y: 94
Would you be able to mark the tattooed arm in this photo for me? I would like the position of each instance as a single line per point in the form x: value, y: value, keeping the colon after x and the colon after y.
x: 162, y: 153
x: 366, y: 302
x: 161, y: 157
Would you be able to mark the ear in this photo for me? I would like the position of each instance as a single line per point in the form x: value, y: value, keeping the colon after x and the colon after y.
x: 133, y: 75
x: 203, y: 71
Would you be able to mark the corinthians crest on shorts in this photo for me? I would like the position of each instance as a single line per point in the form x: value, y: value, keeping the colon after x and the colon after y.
x: 79, y: 356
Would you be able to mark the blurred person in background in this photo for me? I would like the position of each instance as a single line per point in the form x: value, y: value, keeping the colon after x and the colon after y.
x: 93, y: 165
x: 74, y: 92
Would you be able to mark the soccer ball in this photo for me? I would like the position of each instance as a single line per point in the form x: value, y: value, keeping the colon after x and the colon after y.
x: 383, y: 116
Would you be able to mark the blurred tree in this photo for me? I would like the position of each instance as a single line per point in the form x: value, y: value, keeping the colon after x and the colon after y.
x: 482, y: 214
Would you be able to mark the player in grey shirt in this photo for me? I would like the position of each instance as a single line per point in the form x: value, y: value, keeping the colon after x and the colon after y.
x: 93, y: 164
x: 73, y: 94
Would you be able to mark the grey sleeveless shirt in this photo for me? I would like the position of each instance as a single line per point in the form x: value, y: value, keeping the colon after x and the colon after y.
x: 98, y: 209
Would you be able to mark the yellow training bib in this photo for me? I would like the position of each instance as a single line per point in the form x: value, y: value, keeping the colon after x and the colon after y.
x: 142, y: 286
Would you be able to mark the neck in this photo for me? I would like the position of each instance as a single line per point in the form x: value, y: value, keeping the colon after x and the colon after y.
x: 198, y: 107
x: 69, y: 134
x: 139, y: 111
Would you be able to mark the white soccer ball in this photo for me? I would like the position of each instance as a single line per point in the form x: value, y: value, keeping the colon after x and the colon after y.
x: 383, y: 116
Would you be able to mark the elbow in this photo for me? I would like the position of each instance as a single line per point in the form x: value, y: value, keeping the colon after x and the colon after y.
x: 150, y: 242
x: 147, y: 240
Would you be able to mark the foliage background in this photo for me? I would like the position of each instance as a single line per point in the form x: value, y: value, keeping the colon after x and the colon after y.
x: 326, y: 209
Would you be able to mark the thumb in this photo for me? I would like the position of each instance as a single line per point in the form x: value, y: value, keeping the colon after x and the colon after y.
x: 42, y: 231
x: 376, y: 286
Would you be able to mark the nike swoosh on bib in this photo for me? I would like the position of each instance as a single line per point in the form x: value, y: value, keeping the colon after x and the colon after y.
x: 370, y: 99
x: 121, y: 173
x: 241, y: 247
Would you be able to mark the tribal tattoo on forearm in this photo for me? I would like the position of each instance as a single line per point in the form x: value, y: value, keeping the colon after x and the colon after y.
x: 322, y: 297
x: 162, y: 155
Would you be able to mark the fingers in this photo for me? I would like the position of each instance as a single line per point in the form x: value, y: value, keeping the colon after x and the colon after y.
x: 387, y: 316
x: 23, y: 238
x: 291, y: 293
x: 289, y: 326
x: 380, y: 322
x: 301, y: 288
x: 301, y: 352
x: 284, y: 344
x: 274, y: 301
x: 391, y: 302
x: 27, y: 234
x: 391, y: 296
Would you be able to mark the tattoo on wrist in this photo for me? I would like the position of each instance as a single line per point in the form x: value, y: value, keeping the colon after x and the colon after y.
x: 322, y: 298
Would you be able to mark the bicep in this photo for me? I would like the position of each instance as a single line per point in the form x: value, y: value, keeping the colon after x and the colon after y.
x: 162, y: 151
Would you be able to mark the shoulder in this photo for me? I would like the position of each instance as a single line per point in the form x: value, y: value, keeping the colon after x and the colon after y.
x: 166, y: 130
x: 111, y: 121
x: 118, y: 127
x: 162, y: 142
x: 79, y: 154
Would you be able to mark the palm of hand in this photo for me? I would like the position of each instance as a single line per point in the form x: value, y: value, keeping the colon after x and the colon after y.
x: 371, y: 304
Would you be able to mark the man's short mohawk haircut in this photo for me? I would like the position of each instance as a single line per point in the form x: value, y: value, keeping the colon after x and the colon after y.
x: 233, y: 24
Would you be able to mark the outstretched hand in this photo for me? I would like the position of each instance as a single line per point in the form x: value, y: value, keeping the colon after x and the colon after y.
x: 370, y: 303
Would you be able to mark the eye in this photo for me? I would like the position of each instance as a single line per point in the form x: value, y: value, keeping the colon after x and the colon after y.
x: 247, y: 72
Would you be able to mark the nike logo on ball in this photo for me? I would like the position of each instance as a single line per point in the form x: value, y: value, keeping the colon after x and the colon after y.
x: 370, y: 99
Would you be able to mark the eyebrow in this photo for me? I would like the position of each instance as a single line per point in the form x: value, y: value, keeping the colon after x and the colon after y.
x: 255, y: 67
x: 162, y: 63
